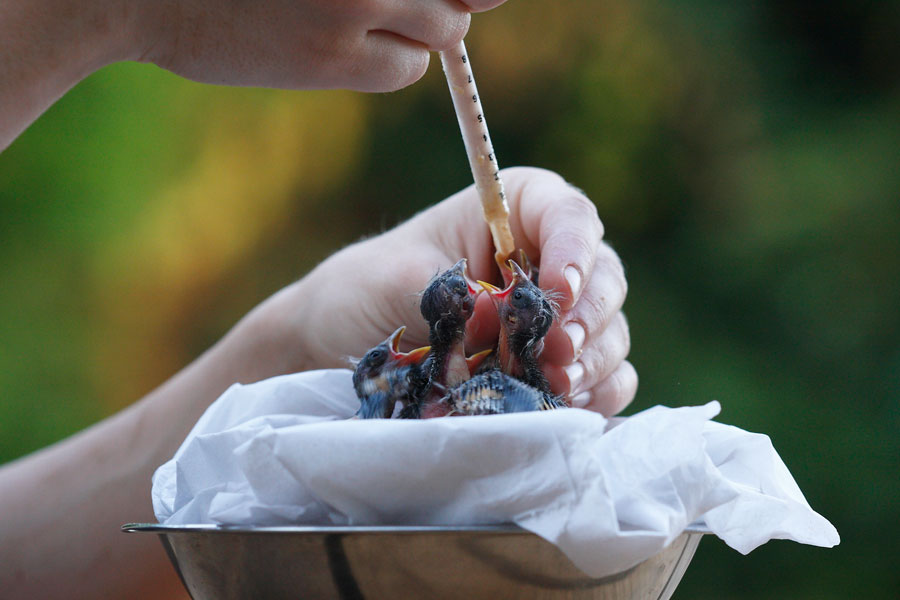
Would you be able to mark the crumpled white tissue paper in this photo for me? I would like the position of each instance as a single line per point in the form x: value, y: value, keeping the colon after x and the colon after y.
x: 608, y: 494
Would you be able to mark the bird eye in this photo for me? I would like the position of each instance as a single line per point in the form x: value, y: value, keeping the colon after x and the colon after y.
x: 520, y: 298
x: 376, y: 355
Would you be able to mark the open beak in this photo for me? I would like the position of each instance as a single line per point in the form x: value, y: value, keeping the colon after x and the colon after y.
x: 414, y: 357
x: 498, y: 295
x: 518, y: 273
x: 526, y: 268
x: 394, y: 340
x: 462, y: 267
x: 405, y: 358
x: 475, y: 361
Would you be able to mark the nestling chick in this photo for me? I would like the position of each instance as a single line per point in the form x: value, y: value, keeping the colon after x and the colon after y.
x: 447, y: 303
x: 385, y: 376
x: 526, y: 313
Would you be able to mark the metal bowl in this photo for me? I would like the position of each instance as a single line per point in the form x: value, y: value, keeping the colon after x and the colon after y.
x: 502, y: 561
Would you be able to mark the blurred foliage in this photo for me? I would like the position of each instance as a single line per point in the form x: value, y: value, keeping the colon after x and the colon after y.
x: 744, y: 158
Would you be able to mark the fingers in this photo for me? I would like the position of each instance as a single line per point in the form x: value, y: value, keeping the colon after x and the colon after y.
x: 602, y: 297
x: 584, y: 355
x: 366, y: 45
x: 436, y: 24
x: 598, y: 360
x: 388, y: 63
x: 597, y: 340
x: 397, y: 43
x: 611, y: 395
x: 556, y: 222
x: 600, y: 378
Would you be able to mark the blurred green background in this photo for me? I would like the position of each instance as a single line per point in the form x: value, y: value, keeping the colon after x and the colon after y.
x: 745, y: 158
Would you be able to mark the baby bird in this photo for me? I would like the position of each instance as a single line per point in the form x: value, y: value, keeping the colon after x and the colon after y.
x: 526, y: 314
x: 385, y: 375
x: 447, y: 303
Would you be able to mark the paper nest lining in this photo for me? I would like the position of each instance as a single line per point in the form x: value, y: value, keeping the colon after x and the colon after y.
x: 609, y: 494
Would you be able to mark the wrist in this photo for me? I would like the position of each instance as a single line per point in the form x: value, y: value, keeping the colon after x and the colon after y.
x: 269, y: 340
x: 49, y: 46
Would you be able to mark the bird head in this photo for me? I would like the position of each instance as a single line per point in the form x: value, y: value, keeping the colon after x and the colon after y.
x: 385, y: 356
x: 525, y: 310
x: 450, y: 298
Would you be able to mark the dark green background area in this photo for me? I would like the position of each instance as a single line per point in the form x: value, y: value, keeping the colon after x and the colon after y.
x: 745, y: 160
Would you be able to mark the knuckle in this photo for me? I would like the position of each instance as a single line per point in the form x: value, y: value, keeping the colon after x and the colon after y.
x: 607, y: 258
x: 595, y: 311
x: 600, y: 361
x: 582, y: 204
x: 578, y: 208
x: 578, y: 205
x: 576, y: 246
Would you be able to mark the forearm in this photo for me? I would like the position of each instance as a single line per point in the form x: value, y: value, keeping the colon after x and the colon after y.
x: 61, y: 508
x: 47, y: 46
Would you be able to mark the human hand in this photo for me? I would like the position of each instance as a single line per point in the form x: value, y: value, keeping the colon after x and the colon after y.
x: 365, y: 45
x: 358, y: 296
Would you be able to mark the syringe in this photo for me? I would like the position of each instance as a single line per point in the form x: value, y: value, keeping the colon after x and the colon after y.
x: 482, y: 159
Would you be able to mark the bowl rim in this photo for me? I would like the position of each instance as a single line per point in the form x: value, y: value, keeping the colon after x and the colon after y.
x: 503, y: 528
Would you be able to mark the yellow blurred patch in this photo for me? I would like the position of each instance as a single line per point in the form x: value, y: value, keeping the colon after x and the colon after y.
x: 264, y: 156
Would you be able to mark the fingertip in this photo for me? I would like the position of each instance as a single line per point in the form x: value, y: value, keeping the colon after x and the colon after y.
x: 612, y: 395
x: 580, y: 400
x: 576, y: 334
x: 391, y: 62
x: 567, y: 260
x: 574, y: 278
x: 412, y: 67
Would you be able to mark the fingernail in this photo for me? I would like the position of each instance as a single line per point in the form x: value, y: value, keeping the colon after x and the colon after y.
x: 576, y: 334
x: 573, y: 277
x: 575, y: 373
x: 581, y: 400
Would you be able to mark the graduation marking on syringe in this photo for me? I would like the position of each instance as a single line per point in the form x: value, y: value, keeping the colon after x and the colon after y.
x: 482, y: 160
